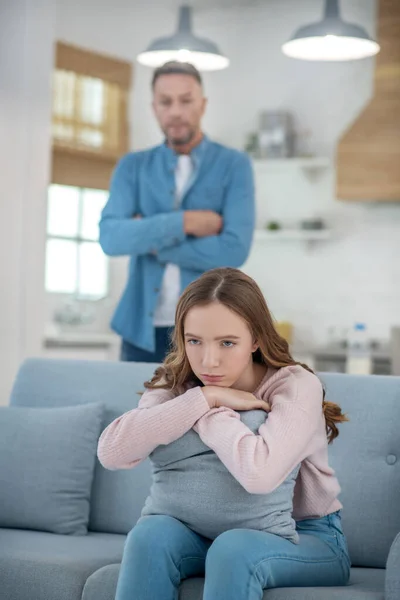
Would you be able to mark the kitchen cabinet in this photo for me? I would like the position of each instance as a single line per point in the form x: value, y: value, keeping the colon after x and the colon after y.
x: 81, y: 346
x: 332, y: 358
x: 78, y: 353
x: 368, y: 154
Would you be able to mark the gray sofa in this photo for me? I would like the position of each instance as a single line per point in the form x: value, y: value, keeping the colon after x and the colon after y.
x: 35, y: 565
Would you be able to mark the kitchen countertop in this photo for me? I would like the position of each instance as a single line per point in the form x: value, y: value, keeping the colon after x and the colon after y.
x: 81, y: 339
x: 382, y: 351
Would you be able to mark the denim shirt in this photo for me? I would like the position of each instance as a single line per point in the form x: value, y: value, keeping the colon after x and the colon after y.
x: 143, y: 183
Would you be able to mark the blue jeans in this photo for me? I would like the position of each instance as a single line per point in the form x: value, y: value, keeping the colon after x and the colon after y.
x: 160, y: 552
x: 132, y: 353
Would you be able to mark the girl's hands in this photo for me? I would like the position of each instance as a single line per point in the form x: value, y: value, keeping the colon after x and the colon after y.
x: 235, y: 399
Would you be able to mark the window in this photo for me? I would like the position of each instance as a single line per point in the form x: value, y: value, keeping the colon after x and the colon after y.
x: 87, y: 113
x: 90, y: 125
x: 75, y: 263
x: 90, y: 132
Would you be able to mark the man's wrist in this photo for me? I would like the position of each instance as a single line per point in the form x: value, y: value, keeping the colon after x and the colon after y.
x: 187, y: 222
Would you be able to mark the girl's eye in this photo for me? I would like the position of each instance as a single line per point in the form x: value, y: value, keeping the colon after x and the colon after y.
x: 193, y: 342
x: 227, y: 344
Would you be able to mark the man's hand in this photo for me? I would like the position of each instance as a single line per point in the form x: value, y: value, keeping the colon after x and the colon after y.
x: 235, y: 399
x: 202, y: 223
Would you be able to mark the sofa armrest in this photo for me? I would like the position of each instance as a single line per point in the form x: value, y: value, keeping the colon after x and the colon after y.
x: 392, y: 580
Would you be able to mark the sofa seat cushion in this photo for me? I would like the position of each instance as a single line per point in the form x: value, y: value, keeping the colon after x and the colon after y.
x: 46, y: 566
x: 365, y: 584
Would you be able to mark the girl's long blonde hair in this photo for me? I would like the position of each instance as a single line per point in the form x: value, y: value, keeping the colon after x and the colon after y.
x: 241, y: 294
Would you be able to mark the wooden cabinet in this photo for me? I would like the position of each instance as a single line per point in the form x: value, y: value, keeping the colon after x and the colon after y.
x: 368, y: 156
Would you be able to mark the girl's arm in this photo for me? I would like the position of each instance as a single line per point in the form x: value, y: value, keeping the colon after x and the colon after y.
x: 262, y: 462
x: 159, y: 419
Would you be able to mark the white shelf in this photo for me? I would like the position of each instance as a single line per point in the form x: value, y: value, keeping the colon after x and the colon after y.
x: 314, y: 162
x: 265, y: 235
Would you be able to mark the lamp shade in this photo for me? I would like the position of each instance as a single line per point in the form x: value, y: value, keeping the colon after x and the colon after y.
x: 184, y: 46
x: 331, y: 39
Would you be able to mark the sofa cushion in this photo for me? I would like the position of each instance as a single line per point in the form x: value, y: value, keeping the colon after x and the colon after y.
x: 44, y: 566
x: 191, y: 484
x: 365, y: 584
x: 102, y: 584
x: 117, y: 496
x: 47, y: 458
x: 366, y: 458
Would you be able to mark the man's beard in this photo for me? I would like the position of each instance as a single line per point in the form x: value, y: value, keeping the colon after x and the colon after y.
x: 182, y: 141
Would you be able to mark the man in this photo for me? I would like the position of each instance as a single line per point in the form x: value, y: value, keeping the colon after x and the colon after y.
x: 177, y: 210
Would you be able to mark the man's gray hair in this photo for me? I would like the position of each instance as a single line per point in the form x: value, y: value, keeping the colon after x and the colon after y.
x: 175, y: 67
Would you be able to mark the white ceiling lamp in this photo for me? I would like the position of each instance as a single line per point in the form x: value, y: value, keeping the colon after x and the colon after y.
x: 331, y: 39
x: 184, y: 46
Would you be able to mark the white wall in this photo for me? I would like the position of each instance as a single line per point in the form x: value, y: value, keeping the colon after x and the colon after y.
x: 354, y: 276
x: 351, y: 277
x: 324, y: 98
x: 26, y: 57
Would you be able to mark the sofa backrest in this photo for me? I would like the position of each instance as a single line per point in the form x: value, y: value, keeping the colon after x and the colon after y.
x: 366, y: 456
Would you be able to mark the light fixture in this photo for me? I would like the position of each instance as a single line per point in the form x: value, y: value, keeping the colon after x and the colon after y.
x: 184, y: 46
x: 331, y: 39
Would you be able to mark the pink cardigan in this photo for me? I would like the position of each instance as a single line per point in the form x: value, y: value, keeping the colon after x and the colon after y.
x: 293, y: 433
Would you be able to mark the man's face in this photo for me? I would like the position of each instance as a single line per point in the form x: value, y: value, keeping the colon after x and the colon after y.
x: 179, y: 105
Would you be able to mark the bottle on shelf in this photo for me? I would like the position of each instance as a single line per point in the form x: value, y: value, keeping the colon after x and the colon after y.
x: 358, y: 359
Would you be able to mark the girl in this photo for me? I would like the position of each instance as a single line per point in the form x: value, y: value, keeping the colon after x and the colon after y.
x: 227, y: 357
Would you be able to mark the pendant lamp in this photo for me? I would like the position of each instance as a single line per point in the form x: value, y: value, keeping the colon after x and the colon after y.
x: 331, y: 39
x: 184, y: 46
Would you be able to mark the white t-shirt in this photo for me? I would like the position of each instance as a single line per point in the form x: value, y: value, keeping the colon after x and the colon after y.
x: 164, y: 315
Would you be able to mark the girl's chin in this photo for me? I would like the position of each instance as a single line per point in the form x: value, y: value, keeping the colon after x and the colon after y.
x: 223, y: 383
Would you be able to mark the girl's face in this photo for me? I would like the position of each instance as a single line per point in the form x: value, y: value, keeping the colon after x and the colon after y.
x: 219, y: 344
